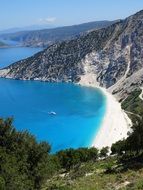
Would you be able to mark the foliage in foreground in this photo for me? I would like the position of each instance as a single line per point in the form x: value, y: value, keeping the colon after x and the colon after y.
x: 107, y: 174
x: 24, y: 163
x: 71, y: 158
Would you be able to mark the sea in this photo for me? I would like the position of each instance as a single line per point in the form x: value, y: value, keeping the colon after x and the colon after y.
x: 65, y: 115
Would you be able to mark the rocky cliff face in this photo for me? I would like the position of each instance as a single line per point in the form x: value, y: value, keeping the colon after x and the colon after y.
x: 111, y: 57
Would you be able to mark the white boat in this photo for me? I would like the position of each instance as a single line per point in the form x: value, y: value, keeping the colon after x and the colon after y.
x: 52, y: 113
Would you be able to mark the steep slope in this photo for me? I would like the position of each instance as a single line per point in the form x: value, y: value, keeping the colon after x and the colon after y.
x: 110, y: 57
x: 47, y: 37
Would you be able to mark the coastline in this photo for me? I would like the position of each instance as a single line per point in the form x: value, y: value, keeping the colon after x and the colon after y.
x: 116, y: 123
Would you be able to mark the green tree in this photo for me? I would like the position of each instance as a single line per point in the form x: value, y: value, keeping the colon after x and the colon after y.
x: 118, y: 147
x: 104, y: 152
x: 24, y: 163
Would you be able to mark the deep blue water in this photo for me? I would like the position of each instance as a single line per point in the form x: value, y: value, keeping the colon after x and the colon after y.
x: 80, y: 111
x: 13, y: 54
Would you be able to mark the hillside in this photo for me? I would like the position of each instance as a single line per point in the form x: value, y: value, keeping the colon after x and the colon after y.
x: 110, y: 57
x: 47, y: 37
x: 106, y: 174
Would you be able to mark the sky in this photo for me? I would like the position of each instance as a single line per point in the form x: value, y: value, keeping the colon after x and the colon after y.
x: 19, y: 13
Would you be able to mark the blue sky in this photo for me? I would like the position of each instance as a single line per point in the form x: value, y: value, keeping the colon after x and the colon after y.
x: 18, y: 13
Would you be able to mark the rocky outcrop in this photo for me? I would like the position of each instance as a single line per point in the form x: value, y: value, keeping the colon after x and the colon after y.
x: 111, y: 57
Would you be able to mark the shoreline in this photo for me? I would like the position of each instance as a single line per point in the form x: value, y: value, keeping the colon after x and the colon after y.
x: 115, y: 125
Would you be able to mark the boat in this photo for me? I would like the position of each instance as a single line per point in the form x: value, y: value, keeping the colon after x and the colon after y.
x: 52, y: 113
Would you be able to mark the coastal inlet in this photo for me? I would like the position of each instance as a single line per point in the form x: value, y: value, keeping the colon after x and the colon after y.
x: 65, y: 115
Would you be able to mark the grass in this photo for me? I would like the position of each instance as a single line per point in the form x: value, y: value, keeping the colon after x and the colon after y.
x: 96, y: 176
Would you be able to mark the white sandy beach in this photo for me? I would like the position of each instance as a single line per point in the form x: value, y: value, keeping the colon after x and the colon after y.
x: 116, y: 124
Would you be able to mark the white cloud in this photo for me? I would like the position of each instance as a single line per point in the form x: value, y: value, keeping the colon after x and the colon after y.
x: 48, y: 20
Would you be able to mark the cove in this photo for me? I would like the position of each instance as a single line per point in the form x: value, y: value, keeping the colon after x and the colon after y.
x: 79, y: 111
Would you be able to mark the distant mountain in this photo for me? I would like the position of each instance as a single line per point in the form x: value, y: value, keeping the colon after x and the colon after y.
x: 10, y: 30
x: 26, y: 28
x: 47, y: 37
x: 111, y: 57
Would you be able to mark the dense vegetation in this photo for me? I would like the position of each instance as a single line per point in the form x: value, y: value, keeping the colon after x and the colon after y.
x: 24, y: 163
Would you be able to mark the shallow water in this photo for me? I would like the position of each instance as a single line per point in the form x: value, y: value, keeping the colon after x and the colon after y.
x: 79, y: 111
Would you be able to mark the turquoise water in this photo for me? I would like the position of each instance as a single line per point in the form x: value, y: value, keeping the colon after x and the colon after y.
x: 80, y: 111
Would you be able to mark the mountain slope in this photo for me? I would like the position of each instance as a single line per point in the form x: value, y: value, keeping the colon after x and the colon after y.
x: 110, y: 57
x: 47, y: 37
